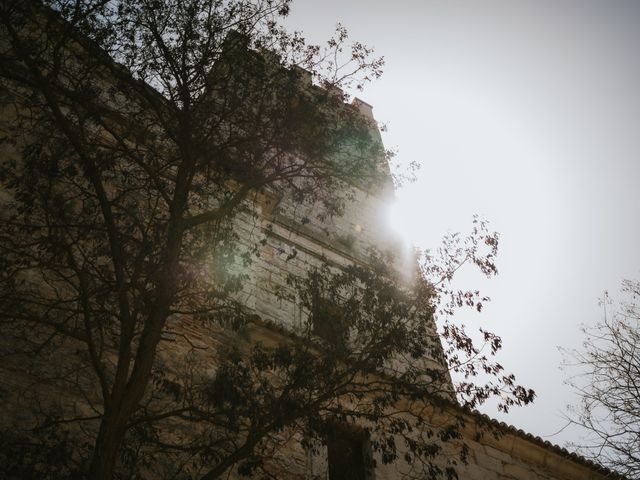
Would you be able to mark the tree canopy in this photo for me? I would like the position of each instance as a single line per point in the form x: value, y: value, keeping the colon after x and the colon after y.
x: 137, y: 135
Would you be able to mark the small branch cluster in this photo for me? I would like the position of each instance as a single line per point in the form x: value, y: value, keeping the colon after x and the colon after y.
x: 608, y: 384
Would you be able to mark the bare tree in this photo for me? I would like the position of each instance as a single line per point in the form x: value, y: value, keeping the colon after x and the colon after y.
x: 137, y: 134
x: 608, y: 383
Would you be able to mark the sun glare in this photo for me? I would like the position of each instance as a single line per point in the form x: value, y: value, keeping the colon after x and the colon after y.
x: 406, y: 221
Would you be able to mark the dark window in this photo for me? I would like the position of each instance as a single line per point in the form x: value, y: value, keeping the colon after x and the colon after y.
x: 328, y: 322
x: 348, y: 454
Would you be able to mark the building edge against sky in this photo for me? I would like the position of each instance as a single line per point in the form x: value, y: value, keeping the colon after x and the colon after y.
x: 527, y: 114
x: 515, y: 455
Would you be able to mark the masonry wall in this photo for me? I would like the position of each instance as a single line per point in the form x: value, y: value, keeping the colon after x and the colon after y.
x: 290, y: 245
x: 515, y: 455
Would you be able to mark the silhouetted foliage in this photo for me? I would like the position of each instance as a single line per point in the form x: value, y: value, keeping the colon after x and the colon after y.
x: 137, y: 133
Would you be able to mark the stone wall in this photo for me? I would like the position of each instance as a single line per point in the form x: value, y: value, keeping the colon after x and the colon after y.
x: 294, y: 238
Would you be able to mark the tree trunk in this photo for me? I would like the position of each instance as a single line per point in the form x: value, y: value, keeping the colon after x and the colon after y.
x: 107, y: 446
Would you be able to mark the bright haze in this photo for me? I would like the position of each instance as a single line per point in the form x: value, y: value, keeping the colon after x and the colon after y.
x: 528, y: 114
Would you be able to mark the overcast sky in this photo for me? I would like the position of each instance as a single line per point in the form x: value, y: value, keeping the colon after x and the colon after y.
x: 527, y: 113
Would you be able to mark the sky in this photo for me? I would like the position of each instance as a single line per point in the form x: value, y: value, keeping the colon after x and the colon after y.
x: 528, y: 114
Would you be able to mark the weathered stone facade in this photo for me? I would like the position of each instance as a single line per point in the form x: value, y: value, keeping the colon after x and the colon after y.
x: 499, y: 452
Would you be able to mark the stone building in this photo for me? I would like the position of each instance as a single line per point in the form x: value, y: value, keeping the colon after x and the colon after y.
x: 285, y: 236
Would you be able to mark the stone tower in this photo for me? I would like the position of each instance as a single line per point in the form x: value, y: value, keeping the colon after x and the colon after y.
x: 49, y: 386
